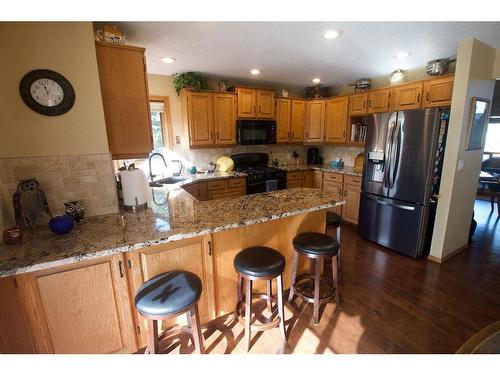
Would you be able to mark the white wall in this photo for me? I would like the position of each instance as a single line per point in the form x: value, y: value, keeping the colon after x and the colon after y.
x: 473, y: 77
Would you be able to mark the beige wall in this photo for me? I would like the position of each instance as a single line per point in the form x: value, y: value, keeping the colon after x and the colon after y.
x: 67, y: 48
x: 473, y: 74
x: 496, y: 69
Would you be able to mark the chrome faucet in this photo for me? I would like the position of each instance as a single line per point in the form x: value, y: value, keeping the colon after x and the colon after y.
x: 151, y: 175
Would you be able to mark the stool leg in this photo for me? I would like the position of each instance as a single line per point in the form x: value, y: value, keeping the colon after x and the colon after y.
x: 492, y: 201
x: 338, y: 234
x: 335, y: 274
x: 239, y: 290
x: 317, y: 278
x: 281, y: 308
x: 295, y: 262
x: 248, y: 314
x: 194, y: 323
x: 153, y: 345
x: 269, y: 294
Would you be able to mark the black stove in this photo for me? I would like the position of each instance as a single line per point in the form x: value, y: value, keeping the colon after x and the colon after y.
x: 260, y: 177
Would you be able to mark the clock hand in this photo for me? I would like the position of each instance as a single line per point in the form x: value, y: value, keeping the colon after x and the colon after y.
x: 47, y: 91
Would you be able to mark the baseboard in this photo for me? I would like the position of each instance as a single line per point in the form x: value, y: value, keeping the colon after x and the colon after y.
x: 447, y: 257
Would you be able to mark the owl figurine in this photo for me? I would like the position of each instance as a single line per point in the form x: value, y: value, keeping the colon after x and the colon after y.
x: 29, y: 203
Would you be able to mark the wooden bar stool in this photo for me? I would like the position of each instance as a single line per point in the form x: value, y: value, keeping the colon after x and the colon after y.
x: 259, y: 263
x: 333, y: 219
x: 168, y: 295
x: 312, y: 287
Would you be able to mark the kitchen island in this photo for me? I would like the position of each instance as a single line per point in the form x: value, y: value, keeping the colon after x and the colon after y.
x: 74, y: 293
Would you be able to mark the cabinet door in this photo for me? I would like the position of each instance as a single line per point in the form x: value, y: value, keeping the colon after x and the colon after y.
x: 438, y: 92
x: 315, y: 121
x: 298, y: 116
x: 336, y: 189
x: 408, y: 96
x: 283, y: 132
x: 125, y: 99
x: 379, y: 100
x: 358, y: 104
x: 246, y: 103
x: 308, y: 179
x: 265, y: 104
x: 200, y: 118
x: 293, y: 179
x: 80, y: 308
x: 318, y: 180
x: 225, y: 119
x: 336, y: 119
x: 350, y: 211
x: 187, y: 255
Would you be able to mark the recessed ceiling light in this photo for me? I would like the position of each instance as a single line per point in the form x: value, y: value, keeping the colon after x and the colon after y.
x: 316, y: 80
x: 255, y: 72
x: 168, y: 60
x: 402, y: 55
x: 332, y: 34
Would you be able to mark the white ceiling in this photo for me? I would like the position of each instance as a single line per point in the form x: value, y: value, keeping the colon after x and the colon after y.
x: 295, y: 52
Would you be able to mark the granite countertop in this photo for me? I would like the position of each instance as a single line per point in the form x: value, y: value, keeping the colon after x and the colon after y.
x: 173, y: 214
x: 348, y: 170
x: 210, y: 176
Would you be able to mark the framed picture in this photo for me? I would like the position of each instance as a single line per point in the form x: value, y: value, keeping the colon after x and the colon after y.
x: 478, y: 119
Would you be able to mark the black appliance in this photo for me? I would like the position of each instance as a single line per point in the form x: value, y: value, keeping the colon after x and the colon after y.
x: 255, y: 132
x: 313, y: 156
x: 260, y: 178
x: 402, y: 169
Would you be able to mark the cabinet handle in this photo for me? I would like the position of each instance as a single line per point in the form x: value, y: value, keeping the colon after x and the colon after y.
x: 293, y: 136
x: 364, y: 104
x: 288, y: 135
x: 427, y: 96
x: 209, y: 248
x: 370, y: 104
x: 345, y: 193
x: 418, y: 98
x: 120, y: 268
x: 340, y: 191
x: 217, y: 135
x: 210, y: 135
x: 129, y: 264
x: 343, y: 134
x: 259, y: 108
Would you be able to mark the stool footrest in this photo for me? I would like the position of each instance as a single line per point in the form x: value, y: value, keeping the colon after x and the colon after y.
x: 270, y: 323
x: 304, y: 287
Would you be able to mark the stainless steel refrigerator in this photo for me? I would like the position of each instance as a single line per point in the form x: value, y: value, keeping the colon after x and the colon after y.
x: 402, y: 168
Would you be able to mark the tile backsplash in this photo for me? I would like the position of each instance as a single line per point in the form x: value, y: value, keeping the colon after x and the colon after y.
x: 70, y: 177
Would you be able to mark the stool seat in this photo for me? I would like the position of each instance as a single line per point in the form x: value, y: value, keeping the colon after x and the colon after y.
x: 168, y: 293
x: 333, y: 219
x: 259, y: 261
x: 316, y: 244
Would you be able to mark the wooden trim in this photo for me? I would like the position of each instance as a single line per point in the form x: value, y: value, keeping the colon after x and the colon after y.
x: 167, y: 118
x: 122, y: 46
x: 447, y: 257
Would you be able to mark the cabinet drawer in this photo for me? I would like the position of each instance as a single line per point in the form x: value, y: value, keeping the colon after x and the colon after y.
x: 294, y: 176
x: 332, y: 176
x: 216, y: 185
x: 355, y: 181
x: 236, y: 182
x: 231, y: 193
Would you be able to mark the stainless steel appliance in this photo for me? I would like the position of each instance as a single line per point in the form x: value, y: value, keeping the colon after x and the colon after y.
x: 260, y: 178
x: 256, y: 132
x: 402, y: 169
x: 313, y: 156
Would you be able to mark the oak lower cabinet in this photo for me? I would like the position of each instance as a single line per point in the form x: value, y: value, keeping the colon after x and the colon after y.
x: 80, y: 308
x: 408, y: 96
x: 352, y: 196
x: 308, y: 179
x: 226, y: 188
x: 125, y: 100
x: 294, y: 179
x: 336, y: 119
x: 315, y: 121
x: 192, y: 255
x: 438, y: 92
x: 333, y: 183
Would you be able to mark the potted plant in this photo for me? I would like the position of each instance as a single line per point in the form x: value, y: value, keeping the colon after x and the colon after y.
x: 188, y: 79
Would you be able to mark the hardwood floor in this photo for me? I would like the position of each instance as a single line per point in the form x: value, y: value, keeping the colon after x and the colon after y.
x: 390, y: 303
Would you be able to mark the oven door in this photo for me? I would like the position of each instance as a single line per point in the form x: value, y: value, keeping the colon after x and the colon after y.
x: 253, y: 132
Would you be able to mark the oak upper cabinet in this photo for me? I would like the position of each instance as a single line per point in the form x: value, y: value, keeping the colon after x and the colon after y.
x: 298, y: 118
x: 336, y: 119
x: 210, y: 118
x: 81, y: 308
x: 246, y: 102
x: 358, y: 104
x: 224, y: 119
x: 265, y: 104
x: 379, y: 100
x: 408, y: 96
x: 192, y: 255
x: 438, y: 92
x: 315, y: 121
x: 283, y: 111
x: 352, y: 196
x: 125, y: 99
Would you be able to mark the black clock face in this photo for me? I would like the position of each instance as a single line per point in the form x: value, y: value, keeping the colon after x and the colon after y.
x: 47, y: 92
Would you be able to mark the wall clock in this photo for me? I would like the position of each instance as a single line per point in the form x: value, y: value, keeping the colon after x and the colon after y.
x: 47, y: 92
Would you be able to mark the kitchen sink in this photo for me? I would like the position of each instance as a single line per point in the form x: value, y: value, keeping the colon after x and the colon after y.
x: 168, y: 180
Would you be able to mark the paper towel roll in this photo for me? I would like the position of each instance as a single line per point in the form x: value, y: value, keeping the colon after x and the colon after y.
x: 135, y: 187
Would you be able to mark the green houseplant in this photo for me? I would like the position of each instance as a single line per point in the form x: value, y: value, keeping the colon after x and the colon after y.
x: 188, y: 79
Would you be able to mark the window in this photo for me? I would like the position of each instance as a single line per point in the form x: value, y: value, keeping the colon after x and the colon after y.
x: 160, y: 123
x: 492, y: 144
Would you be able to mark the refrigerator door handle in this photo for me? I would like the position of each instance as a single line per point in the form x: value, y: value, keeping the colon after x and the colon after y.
x: 396, y: 205
x: 388, y: 148
x: 396, y: 146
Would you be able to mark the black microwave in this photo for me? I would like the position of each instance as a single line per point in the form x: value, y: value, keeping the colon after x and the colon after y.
x: 255, y: 132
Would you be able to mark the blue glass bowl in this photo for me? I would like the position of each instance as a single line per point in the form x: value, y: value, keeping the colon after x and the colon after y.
x: 62, y: 224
